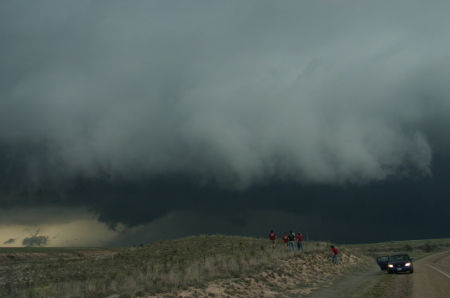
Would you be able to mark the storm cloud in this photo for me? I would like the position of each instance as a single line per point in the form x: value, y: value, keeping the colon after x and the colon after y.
x: 138, y: 111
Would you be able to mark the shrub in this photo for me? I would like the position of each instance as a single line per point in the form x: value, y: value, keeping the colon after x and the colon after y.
x: 407, y: 247
x: 428, y: 247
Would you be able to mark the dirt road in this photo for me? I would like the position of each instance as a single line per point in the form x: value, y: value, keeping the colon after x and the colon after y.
x: 355, y: 284
x: 431, y: 276
x: 431, y: 279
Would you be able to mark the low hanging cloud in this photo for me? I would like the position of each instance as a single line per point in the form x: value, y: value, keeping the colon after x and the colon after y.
x: 36, y: 241
x: 174, y: 90
x: 10, y: 241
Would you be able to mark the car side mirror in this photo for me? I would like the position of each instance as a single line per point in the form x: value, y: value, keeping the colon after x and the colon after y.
x: 411, y: 259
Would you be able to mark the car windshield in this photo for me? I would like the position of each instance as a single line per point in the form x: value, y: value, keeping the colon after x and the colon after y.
x: 399, y: 258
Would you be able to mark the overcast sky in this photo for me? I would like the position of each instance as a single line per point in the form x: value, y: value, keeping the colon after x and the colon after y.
x: 147, y: 120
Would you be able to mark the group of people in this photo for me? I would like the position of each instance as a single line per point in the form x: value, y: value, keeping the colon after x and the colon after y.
x: 289, y: 240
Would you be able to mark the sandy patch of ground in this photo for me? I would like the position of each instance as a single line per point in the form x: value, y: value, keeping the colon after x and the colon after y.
x: 298, y: 277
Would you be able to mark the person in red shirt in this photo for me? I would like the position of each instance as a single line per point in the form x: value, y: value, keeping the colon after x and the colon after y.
x: 335, y: 255
x: 286, y: 239
x: 300, y: 241
x: 273, y: 238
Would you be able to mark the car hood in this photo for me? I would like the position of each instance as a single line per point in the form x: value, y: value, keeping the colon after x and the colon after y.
x: 401, y: 263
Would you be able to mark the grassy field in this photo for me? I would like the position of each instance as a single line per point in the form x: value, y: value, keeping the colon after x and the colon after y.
x: 162, y: 267
x: 167, y: 268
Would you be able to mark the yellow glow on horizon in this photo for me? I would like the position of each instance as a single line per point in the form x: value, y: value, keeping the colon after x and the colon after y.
x: 84, y: 232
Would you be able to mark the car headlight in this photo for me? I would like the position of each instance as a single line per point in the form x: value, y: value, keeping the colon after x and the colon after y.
x: 390, y: 265
x: 408, y: 264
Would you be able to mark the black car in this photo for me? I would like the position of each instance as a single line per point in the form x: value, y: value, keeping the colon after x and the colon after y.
x: 396, y: 263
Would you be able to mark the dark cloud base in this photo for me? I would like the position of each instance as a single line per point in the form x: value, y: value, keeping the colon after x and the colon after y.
x: 394, y: 209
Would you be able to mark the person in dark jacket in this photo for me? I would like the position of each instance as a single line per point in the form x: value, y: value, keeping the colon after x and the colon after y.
x: 291, y: 241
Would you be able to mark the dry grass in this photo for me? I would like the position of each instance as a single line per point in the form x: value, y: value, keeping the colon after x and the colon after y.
x: 197, y: 266
x: 414, y: 247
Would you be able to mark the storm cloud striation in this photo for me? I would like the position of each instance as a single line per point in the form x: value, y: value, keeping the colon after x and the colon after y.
x: 139, y: 111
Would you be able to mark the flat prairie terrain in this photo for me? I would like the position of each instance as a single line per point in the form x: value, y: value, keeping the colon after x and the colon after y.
x: 205, y: 266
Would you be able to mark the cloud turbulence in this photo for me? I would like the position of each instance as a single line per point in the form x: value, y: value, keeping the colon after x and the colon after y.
x: 149, y: 114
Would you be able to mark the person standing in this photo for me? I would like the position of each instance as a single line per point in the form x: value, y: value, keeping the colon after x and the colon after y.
x: 291, y: 241
x: 335, y: 255
x: 273, y: 238
x: 300, y: 241
x: 286, y: 239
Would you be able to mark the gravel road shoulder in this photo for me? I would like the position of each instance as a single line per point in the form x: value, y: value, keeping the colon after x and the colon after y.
x: 359, y: 283
x: 370, y: 281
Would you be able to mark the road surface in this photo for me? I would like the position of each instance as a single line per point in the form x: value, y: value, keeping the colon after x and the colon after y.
x: 431, y: 279
x: 431, y: 276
